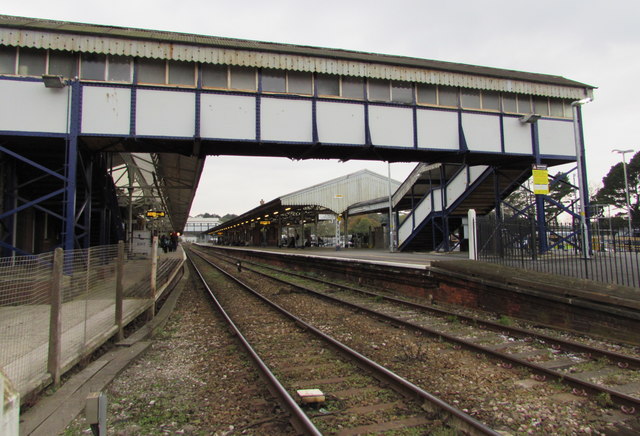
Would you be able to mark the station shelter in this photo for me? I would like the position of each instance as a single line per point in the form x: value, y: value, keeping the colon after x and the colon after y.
x: 292, y: 220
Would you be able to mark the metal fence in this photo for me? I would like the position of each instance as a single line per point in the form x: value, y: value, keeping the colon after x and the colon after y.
x: 613, y: 255
x: 56, y: 308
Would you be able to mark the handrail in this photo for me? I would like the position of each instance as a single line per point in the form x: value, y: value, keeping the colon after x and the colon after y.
x: 403, y: 233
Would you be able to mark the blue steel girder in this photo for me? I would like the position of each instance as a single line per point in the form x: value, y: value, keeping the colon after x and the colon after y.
x: 15, y: 202
x: 74, y: 216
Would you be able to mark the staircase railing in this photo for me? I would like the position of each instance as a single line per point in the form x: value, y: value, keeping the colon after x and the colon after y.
x: 432, y: 202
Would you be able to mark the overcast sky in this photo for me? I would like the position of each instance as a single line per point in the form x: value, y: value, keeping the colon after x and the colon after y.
x: 596, y: 42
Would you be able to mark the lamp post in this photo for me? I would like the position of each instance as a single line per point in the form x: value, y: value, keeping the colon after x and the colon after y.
x: 626, y: 182
x: 392, y: 226
x: 581, y: 182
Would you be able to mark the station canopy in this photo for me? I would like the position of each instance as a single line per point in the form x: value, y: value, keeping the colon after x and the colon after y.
x: 332, y: 197
x: 156, y: 187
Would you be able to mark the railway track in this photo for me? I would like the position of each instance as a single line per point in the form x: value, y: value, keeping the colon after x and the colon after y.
x: 361, y: 397
x: 611, y: 379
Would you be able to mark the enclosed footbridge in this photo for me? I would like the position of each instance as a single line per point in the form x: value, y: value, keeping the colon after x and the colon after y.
x: 81, y: 102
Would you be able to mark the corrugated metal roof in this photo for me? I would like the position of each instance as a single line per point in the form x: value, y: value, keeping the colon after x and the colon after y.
x: 178, y: 177
x: 30, y: 32
x: 338, y: 194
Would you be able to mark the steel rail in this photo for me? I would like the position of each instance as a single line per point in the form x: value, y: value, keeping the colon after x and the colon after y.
x: 567, y: 345
x: 628, y: 402
x: 463, y: 421
x: 300, y: 420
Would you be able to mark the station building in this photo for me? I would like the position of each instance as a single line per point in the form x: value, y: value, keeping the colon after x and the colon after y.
x: 292, y: 220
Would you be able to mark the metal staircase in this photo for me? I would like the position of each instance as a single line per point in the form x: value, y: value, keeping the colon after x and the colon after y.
x: 445, y: 194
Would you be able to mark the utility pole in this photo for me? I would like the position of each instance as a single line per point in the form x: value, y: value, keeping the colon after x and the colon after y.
x: 626, y: 184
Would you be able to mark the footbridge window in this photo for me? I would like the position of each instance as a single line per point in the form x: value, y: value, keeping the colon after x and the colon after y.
x: 31, y: 62
x: 394, y: 91
x: 35, y: 62
x: 353, y: 87
x: 163, y: 72
x: 299, y: 82
x: 109, y: 68
x: 541, y: 105
x: 328, y: 84
x: 274, y: 80
x: 402, y: 92
x: 470, y: 98
x: 447, y: 96
x: 229, y: 77
x: 379, y: 90
x: 7, y: 60
x: 63, y: 64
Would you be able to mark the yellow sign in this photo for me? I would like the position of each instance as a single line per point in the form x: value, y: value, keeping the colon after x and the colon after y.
x: 155, y: 214
x: 541, y: 182
x: 265, y: 223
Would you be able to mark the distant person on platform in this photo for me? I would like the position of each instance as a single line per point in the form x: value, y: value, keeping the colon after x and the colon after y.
x: 174, y: 241
x: 164, y: 243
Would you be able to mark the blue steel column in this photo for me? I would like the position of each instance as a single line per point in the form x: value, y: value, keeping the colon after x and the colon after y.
x: 10, y: 199
x: 541, y: 223
x: 88, y: 204
x: 444, y: 214
x: 68, y: 237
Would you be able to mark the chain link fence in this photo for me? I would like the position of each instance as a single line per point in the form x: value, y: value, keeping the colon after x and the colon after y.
x: 56, y: 308
x: 611, y: 257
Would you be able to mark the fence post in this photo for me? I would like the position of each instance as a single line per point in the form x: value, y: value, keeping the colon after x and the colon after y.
x: 153, y: 280
x: 473, y: 234
x: 9, y: 407
x: 55, y: 320
x: 120, y: 290
x: 534, y: 239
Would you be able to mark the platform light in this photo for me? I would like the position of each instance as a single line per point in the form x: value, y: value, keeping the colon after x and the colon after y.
x: 626, y: 182
x: 581, y: 176
x: 287, y: 209
x: 53, y: 81
x: 529, y: 118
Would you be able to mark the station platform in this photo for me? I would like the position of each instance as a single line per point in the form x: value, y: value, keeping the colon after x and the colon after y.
x: 53, y: 413
x: 366, y: 254
x: 87, y: 317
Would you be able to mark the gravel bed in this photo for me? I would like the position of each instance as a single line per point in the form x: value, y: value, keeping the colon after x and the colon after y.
x: 509, y: 400
x: 195, y: 380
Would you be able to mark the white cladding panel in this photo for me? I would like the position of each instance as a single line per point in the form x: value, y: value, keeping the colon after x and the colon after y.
x: 517, y: 136
x: 340, y: 123
x: 391, y: 126
x: 438, y: 129
x: 482, y: 132
x: 30, y: 107
x: 556, y: 138
x: 457, y: 186
x: 106, y: 110
x: 165, y: 113
x: 228, y: 117
x: 285, y: 120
